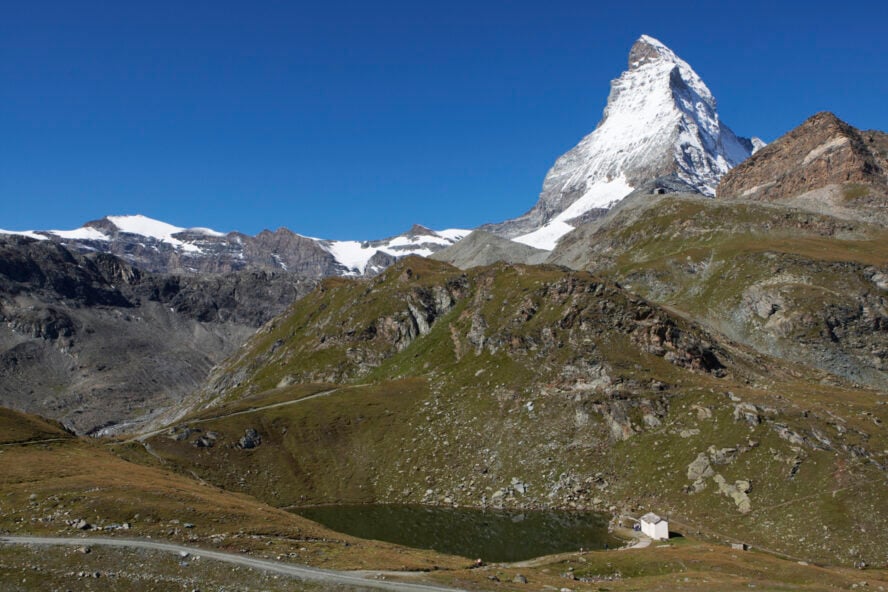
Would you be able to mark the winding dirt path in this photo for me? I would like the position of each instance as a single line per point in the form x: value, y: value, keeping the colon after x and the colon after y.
x: 302, y: 572
x: 144, y: 436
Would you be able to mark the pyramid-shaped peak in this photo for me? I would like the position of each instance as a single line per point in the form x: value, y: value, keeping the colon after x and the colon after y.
x: 661, y: 121
x: 647, y: 49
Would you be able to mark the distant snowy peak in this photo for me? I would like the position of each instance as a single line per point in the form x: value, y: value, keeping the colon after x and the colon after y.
x: 154, y: 245
x: 660, y: 122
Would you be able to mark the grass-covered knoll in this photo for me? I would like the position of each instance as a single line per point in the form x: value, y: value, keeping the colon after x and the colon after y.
x: 807, y: 287
x: 535, y: 387
x: 342, y: 328
x: 18, y: 427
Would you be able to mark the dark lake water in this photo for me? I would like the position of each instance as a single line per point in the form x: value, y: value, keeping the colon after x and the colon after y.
x: 492, y: 535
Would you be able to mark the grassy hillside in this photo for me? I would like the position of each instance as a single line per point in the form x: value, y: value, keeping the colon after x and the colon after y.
x: 514, y: 386
x: 52, y: 481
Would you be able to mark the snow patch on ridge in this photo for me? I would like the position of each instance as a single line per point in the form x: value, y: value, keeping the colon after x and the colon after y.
x: 602, y: 194
x: 454, y: 234
x: 205, y: 231
x: 83, y: 233
x: 27, y: 233
x: 355, y: 255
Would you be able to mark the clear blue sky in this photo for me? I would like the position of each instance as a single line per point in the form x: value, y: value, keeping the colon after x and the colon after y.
x: 356, y: 119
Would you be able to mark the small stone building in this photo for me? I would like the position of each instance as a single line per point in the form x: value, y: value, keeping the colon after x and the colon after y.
x: 655, y: 527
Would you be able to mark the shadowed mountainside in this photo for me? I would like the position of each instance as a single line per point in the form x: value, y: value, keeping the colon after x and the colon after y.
x: 91, y: 341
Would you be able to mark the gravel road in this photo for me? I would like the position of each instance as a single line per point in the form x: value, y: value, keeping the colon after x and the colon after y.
x: 302, y: 572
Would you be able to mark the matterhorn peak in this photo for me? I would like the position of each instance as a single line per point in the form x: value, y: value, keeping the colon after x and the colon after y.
x: 660, y: 125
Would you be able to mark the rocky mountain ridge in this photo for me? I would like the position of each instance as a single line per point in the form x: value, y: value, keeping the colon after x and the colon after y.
x: 823, y: 164
x: 94, y: 342
x: 155, y: 246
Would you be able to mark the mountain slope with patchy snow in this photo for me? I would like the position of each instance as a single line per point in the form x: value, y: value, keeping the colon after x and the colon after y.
x: 156, y: 246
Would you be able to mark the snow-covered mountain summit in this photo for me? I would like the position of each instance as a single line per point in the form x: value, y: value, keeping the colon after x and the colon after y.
x: 660, y: 122
x: 157, y: 246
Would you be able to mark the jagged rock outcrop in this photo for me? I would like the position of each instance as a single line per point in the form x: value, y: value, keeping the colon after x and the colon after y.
x: 798, y: 284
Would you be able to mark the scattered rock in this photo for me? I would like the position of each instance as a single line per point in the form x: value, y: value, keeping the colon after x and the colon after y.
x: 251, y: 439
x: 700, y: 468
x: 519, y: 579
x: 736, y: 491
x: 789, y: 435
x: 722, y: 456
x: 519, y: 486
x: 205, y: 441
x: 747, y: 412
x: 702, y: 412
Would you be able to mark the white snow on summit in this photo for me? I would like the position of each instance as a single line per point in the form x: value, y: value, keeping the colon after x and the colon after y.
x: 144, y: 226
x: 137, y: 224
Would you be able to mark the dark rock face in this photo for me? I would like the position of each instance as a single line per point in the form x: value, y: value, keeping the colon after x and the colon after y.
x: 26, y: 267
x: 92, y: 341
x: 823, y: 151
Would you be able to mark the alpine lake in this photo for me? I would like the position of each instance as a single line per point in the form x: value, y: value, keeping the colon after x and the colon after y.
x: 490, y: 535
